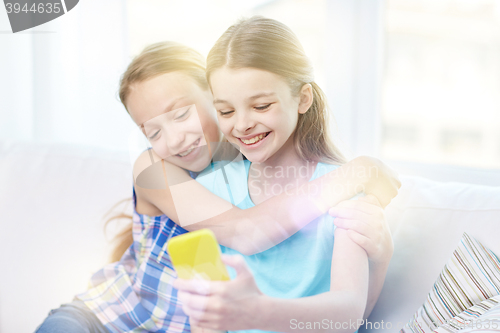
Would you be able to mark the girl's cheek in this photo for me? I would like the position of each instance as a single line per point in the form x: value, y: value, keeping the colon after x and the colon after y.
x: 193, y: 124
x: 208, y: 125
x: 160, y: 150
x: 224, y: 125
x: 211, y: 131
x: 208, y: 122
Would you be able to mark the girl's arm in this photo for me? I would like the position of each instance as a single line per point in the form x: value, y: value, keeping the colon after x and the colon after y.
x: 257, y: 229
x: 365, y: 222
x: 238, y: 304
x: 342, y: 307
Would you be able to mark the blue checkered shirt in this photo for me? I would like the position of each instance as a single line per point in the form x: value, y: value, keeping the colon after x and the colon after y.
x: 135, y: 294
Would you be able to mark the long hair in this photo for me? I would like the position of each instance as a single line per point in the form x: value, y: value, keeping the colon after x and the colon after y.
x: 154, y: 60
x: 269, y: 45
x: 124, y: 238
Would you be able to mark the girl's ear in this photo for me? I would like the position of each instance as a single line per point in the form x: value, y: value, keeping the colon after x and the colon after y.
x: 306, y: 98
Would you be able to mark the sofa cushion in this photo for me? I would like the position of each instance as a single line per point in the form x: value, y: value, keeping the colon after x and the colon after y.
x: 486, y: 323
x: 54, y: 199
x: 471, y: 276
x: 484, y: 315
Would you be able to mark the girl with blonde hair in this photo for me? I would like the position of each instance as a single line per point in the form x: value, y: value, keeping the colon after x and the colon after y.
x: 319, y: 279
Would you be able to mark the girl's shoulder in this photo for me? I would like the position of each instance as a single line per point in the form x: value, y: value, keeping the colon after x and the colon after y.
x: 234, y: 168
x: 143, y: 207
x: 323, y: 168
x: 147, y: 172
x: 227, y: 179
x: 145, y: 176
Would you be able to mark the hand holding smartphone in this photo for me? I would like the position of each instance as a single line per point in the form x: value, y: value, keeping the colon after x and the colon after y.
x: 197, y: 255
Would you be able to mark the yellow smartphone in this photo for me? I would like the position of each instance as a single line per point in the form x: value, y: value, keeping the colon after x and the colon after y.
x: 197, y: 254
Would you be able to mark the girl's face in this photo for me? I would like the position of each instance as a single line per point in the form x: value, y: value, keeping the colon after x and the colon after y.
x: 256, y: 110
x: 177, y: 117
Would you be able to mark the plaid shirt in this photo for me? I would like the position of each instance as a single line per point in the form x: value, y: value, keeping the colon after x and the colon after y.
x: 135, y: 294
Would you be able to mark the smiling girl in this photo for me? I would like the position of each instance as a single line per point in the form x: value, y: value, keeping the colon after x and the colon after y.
x: 269, y: 106
x: 166, y: 93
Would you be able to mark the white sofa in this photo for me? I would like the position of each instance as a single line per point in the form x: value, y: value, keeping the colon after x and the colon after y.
x: 53, y: 199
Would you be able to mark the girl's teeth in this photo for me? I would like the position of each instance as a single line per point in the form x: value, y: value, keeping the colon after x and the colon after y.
x: 186, y: 152
x: 254, y: 139
x: 195, y: 145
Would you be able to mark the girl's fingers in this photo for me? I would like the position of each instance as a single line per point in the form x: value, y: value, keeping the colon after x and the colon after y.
x: 184, y: 285
x: 198, y: 286
x: 205, y: 324
x: 238, y: 263
x: 195, y: 317
x: 370, y: 198
x: 194, y: 286
x: 201, y: 319
x: 362, y: 241
x: 361, y: 228
x: 193, y: 301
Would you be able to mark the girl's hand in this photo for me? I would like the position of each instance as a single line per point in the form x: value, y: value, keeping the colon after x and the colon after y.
x: 381, y: 181
x: 227, y: 305
x: 196, y: 329
x: 367, y: 226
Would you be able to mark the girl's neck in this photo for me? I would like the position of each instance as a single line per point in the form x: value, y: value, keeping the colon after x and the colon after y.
x: 286, y: 157
x: 282, y: 170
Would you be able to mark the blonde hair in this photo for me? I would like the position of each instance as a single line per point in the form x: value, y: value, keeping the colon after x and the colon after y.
x: 269, y: 45
x: 154, y: 60
x: 123, y: 239
x: 161, y: 58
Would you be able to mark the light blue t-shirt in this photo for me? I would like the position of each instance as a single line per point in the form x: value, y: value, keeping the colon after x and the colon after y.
x: 297, y: 267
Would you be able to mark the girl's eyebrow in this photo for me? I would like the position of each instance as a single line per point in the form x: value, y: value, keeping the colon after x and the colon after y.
x: 264, y: 94
x: 219, y: 101
x: 169, y: 106
x: 167, y: 109
x: 251, y: 98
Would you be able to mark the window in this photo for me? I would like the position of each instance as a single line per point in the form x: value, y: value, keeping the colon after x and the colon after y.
x: 441, y: 82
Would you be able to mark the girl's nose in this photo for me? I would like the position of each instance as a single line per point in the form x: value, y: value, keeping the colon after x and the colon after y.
x: 244, y: 122
x: 174, y: 139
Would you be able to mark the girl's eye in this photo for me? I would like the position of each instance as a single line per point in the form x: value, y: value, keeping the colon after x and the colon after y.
x: 225, y: 113
x: 154, y: 135
x: 263, y: 107
x: 184, y: 114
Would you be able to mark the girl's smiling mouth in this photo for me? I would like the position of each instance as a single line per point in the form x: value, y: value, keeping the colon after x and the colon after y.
x: 190, y: 150
x: 255, y: 140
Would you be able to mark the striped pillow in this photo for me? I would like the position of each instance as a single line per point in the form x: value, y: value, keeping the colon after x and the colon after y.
x: 488, y: 322
x: 471, y: 276
x: 482, y: 316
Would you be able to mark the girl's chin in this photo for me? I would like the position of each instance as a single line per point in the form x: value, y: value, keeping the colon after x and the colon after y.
x: 255, y: 157
x: 199, y: 164
x: 193, y: 167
